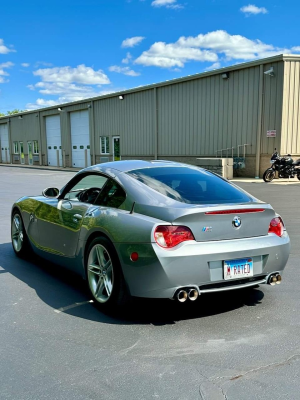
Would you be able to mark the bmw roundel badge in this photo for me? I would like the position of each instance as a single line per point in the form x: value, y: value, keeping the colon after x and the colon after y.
x: 236, y: 222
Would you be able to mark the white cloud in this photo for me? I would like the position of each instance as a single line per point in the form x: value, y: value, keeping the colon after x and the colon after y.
x: 252, y: 9
x: 206, y: 47
x: 127, y: 59
x: 131, y: 42
x: 25, y: 65
x: 69, y: 84
x: 41, y: 103
x: 170, y: 55
x: 80, y: 74
x: 166, y: 3
x: 4, y: 49
x: 215, y: 65
x: 67, y: 98
x: 123, y: 70
x: 3, y: 73
x: 296, y: 49
x: 64, y: 88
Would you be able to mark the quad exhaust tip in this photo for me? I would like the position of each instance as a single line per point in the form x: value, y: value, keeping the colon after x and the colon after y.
x: 183, y: 295
x: 274, y: 279
x: 193, y: 294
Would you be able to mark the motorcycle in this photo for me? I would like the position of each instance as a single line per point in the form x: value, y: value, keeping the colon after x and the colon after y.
x: 285, y: 166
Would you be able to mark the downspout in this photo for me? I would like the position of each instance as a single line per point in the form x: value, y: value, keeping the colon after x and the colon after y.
x: 259, y: 126
x: 10, y: 141
x: 155, y: 126
x: 93, y: 131
x: 40, y: 137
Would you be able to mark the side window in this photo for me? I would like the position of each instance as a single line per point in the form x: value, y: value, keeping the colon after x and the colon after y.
x: 86, y: 189
x: 16, y: 148
x: 104, y: 144
x: 112, y: 195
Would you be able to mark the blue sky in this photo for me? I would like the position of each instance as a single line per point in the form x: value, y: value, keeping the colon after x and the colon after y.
x: 58, y: 51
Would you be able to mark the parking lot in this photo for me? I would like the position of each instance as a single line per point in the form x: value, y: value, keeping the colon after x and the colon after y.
x: 56, y: 345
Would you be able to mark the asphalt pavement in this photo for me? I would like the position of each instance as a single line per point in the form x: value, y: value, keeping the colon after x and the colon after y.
x: 54, y: 343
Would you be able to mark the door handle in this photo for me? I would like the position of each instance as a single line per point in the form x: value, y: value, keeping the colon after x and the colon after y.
x: 77, y: 216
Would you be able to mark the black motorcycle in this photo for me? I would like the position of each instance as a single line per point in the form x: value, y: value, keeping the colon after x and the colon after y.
x: 285, y: 166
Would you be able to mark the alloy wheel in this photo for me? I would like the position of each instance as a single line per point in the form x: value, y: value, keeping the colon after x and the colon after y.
x: 100, y: 273
x: 17, y: 233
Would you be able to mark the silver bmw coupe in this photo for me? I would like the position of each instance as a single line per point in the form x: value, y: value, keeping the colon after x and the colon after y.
x: 154, y: 229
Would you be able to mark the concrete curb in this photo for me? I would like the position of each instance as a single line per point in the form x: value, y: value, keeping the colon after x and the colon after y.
x: 42, y: 167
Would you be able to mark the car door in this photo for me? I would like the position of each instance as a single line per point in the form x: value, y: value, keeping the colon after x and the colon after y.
x: 60, y: 220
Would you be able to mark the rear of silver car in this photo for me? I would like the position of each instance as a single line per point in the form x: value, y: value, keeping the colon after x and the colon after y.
x: 224, y: 254
x: 210, y: 236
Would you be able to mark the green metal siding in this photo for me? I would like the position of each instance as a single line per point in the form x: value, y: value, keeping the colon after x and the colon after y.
x: 131, y: 119
x: 290, y: 141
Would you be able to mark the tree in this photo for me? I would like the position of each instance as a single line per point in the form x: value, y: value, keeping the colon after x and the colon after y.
x: 15, y: 111
x: 2, y: 115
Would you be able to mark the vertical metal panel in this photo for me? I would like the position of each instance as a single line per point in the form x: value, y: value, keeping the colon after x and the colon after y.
x: 131, y: 119
x: 290, y: 140
x: 272, y: 107
x: 204, y: 115
x: 25, y: 129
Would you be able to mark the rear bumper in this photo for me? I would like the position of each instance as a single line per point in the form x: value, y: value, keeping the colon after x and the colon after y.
x: 159, y: 272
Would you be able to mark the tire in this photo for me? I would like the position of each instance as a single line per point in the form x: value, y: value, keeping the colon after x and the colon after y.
x: 19, y: 238
x: 269, y: 175
x: 298, y: 176
x: 104, y: 275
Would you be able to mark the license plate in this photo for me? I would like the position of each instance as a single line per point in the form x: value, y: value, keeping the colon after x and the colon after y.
x: 235, y: 269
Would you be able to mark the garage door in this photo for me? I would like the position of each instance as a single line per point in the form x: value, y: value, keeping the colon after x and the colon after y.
x: 4, y: 143
x: 80, y: 138
x: 53, y: 136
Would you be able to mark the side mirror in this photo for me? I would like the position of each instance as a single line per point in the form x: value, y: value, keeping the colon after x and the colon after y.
x: 51, y: 193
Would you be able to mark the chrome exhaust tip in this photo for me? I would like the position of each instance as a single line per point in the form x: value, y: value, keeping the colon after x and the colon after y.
x: 274, y: 279
x: 193, y: 294
x: 182, y: 296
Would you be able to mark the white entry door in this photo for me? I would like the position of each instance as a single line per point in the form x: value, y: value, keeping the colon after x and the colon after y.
x: 53, y: 136
x: 80, y: 138
x: 4, y: 143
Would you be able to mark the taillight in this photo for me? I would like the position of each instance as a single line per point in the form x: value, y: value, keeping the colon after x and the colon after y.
x: 169, y: 236
x: 276, y: 226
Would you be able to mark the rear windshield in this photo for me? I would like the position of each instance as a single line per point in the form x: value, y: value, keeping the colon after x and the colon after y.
x: 189, y: 185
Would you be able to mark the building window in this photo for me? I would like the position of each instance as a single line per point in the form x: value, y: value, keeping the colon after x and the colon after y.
x: 16, y: 148
x: 35, y: 147
x: 104, y: 144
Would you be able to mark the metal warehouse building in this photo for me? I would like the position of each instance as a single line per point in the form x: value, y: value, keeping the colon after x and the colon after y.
x: 205, y: 115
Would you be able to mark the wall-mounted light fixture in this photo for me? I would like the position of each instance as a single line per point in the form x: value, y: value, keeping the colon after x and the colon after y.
x: 59, y: 109
x: 270, y: 72
x: 89, y: 106
x: 20, y: 117
x: 121, y: 97
x: 225, y: 75
x: 37, y: 115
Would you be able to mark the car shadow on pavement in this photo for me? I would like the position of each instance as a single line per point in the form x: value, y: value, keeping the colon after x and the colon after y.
x: 66, y: 292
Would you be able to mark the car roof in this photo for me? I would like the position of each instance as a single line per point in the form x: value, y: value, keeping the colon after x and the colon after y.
x: 129, y: 165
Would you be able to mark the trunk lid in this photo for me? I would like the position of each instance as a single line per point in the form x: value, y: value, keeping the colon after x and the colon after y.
x: 228, y: 222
